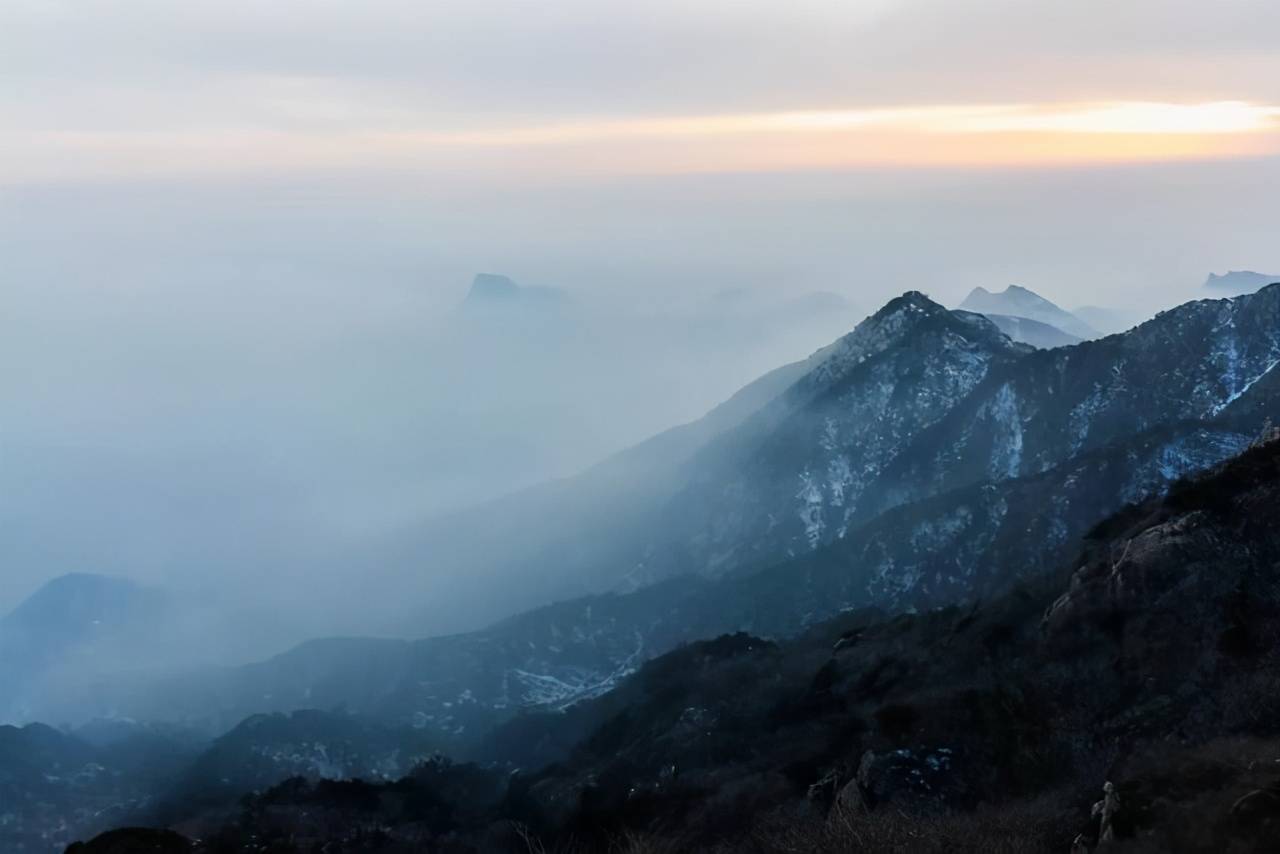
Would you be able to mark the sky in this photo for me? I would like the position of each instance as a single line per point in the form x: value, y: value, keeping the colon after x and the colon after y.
x: 235, y: 234
x: 102, y: 90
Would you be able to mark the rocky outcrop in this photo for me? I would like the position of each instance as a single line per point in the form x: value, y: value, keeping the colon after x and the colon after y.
x: 919, y: 780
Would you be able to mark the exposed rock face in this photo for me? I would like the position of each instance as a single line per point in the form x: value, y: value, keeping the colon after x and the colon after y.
x: 1178, y: 558
x: 1259, y: 808
x: 920, y: 779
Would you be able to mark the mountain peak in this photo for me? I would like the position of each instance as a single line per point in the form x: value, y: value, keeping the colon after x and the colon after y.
x: 494, y: 289
x: 1012, y: 295
x: 916, y: 300
x: 1020, y: 302
x: 902, y: 316
x: 492, y: 286
x: 77, y: 600
x: 1239, y: 282
x: 901, y: 322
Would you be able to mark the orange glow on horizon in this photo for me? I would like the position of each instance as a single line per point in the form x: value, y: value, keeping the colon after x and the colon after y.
x: 990, y: 135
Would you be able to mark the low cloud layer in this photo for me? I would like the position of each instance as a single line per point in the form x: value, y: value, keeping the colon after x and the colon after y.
x: 235, y: 235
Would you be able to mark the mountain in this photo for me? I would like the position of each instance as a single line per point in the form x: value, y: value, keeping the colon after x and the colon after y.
x: 263, y: 750
x: 980, y: 464
x: 1238, y: 282
x: 56, y: 786
x: 1039, y: 335
x: 1146, y: 661
x: 1137, y: 673
x: 74, y: 625
x: 1018, y: 301
x: 793, y: 474
x: 490, y: 291
x: 549, y: 392
x: 945, y: 405
x: 785, y: 475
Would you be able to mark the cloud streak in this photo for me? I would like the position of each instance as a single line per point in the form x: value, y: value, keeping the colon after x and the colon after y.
x: 939, y: 135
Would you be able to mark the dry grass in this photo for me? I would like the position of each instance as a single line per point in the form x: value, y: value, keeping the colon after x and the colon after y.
x: 1044, y: 824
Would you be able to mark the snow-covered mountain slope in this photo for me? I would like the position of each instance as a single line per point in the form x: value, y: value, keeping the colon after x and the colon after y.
x: 982, y: 463
x: 962, y: 546
x: 793, y: 476
x: 941, y: 404
x: 891, y: 727
x: 1191, y: 362
x: 1018, y: 301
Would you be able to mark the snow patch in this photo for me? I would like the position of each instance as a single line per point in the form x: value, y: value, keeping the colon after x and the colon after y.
x: 811, y: 504
x: 1006, y: 424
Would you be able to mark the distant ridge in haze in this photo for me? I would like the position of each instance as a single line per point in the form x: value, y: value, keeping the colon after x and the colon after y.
x: 79, y: 620
x: 1234, y: 283
x: 1108, y: 321
x: 493, y: 290
x: 1017, y: 301
x: 905, y: 466
x: 1024, y: 330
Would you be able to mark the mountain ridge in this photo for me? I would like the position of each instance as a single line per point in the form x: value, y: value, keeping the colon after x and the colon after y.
x: 1132, y: 673
x: 931, y: 540
x: 1018, y: 301
x: 1027, y: 331
x: 1238, y: 282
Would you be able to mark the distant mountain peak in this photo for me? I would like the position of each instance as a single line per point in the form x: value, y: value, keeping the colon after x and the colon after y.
x: 1017, y: 301
x: 76, y: 589
x: 912, y: 301
x: 496, y: 290
x: 1239, y: 282
x: 903, y: 317
x: 1013, y: 294
x: 1028, y: 331
x: 916, y: 298
x: 67, y: 607
x: 492, y: 286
